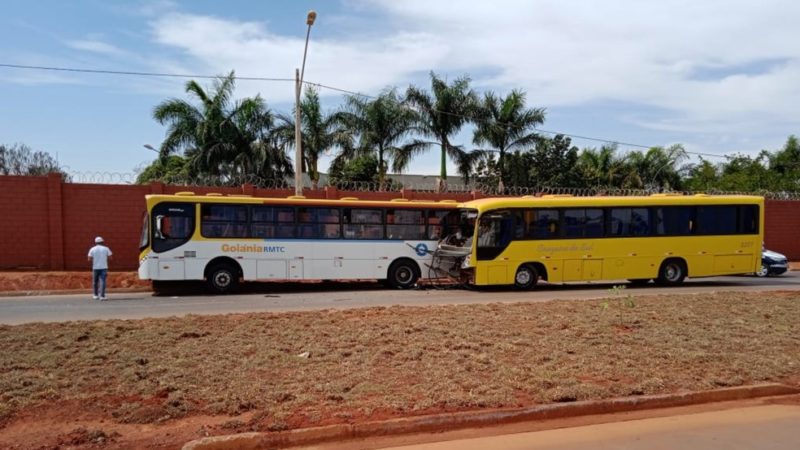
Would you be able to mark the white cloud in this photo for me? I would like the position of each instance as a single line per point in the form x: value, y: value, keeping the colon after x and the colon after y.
x: 571, y: 53
x: 95, y: 46
x: 218, y: 45
x: 562, y: 53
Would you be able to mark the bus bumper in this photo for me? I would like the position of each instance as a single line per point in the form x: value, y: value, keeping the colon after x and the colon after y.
x: 147, y: 269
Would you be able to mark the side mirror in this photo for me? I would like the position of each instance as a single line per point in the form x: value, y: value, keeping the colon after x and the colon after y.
x: 158, y: 233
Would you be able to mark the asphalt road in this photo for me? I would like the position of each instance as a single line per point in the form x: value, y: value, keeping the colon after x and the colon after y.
x: 275, y: 297
x: 760, y: 427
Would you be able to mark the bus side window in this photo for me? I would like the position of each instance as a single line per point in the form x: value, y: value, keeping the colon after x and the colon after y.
x: 546, y: 224
x: 674, y: 220
x: 594, y: 222
x: 331, y: 231
x: 518, y: 218
x: 748, y: 219
x: 640, y: 221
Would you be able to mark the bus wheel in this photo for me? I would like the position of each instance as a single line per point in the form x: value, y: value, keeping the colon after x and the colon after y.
x: 403, y: 275
x: 526, y: 277
x: 672, y: 272
x: 222, y: 279
x: 160, y: 287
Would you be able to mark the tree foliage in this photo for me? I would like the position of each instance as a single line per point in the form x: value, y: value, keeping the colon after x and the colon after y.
x: 360, y: 169
x: 505, y: 124
x: 211, y: 134
x: 19, y: 159
x: 174, y: 168
x: 442, y: 113
x: 381, y: 126
x: 220, y: 136
x: 320, y: 132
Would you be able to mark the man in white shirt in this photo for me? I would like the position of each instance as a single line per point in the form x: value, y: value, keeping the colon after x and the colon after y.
x: 99, y: 256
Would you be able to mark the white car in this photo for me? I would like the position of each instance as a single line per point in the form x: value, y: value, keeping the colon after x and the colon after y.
x: 772, y: 263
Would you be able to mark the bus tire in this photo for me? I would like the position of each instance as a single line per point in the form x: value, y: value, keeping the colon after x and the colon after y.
x: 672, y: 272
x: 159, y: 287
x: 222, y: 278
x: 403, y: 274
x: 526, y: 277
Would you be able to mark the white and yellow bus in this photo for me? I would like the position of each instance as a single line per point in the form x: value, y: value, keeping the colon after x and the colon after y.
x: 662, y: 237
x: 225, y: 239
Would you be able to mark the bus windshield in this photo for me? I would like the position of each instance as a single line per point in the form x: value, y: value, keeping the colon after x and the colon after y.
x: 144, y: 239
x: 173, y: 225
x: 459, y: 227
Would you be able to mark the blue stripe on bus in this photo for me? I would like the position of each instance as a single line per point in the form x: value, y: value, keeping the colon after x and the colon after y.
x: 343, y: 241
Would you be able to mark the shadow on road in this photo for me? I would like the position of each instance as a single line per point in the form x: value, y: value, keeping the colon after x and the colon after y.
x: 186, y: 288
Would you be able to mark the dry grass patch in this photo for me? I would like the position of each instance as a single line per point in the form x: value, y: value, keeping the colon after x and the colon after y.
x: 299, y: 369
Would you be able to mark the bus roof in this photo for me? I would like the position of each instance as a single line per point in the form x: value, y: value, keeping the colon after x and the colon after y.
x: 561, y: 201
x: 152, y: 199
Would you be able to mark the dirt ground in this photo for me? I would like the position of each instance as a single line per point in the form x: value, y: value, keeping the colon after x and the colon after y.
x: 20, y: 281
x: 157, y: 383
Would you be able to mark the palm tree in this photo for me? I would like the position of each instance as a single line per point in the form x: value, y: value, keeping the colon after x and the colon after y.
x: 220, y: 138
x: 441, y: 115
x: 658, y: 167
x: 319, y: 133
x: 381, y: 124
x: 505, y: 125
x: 266, y: 157
x: 702, y: 176
x: 602, y: 168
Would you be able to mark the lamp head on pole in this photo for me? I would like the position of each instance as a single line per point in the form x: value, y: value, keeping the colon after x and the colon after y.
x: 312, y: 16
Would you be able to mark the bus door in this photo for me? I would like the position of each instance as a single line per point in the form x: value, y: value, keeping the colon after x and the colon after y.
x: 296, y: 268
x: 582, y: 269
x: 173, y: 226
x: 496, y: 230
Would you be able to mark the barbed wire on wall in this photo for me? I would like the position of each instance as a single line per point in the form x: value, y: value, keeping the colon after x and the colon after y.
x: 364, y: 186
x: 118, y: 178
x: 100, y: 177
x: 224, y: 181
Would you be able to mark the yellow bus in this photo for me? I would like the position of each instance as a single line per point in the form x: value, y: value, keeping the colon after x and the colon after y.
x: 662, y: 237
x: 225, y: 239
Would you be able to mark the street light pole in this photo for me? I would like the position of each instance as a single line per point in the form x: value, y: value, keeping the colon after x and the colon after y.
x: 298, y: 77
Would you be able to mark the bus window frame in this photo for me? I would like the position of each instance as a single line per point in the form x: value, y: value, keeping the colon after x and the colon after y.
x: 160, y: 243
x: 346, y: 219
x: 422, y: 224
x: 652, y: 216
x: 229, y: 224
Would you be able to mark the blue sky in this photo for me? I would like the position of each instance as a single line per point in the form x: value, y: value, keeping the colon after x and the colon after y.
x: 717, y: 76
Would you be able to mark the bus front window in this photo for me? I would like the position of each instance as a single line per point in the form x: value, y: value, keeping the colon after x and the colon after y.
x: 173, y: 225
x: 144, y: 239
x: 496, y: 230
x: 459, y: 227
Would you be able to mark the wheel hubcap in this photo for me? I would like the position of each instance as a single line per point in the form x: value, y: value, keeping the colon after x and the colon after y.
x: 673, y: 272
x: 403, y: 275
x: 222, y: 279
x: 523, y: 277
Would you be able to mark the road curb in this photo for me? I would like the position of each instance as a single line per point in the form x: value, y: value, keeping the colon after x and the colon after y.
x: 474, y: 419
x: 87, y: 291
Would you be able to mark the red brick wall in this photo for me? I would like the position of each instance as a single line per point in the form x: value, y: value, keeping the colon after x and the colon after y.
x: 48, y: 224
x: 111, y: 211
x: 24, y: 223
x: 782, y: 227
